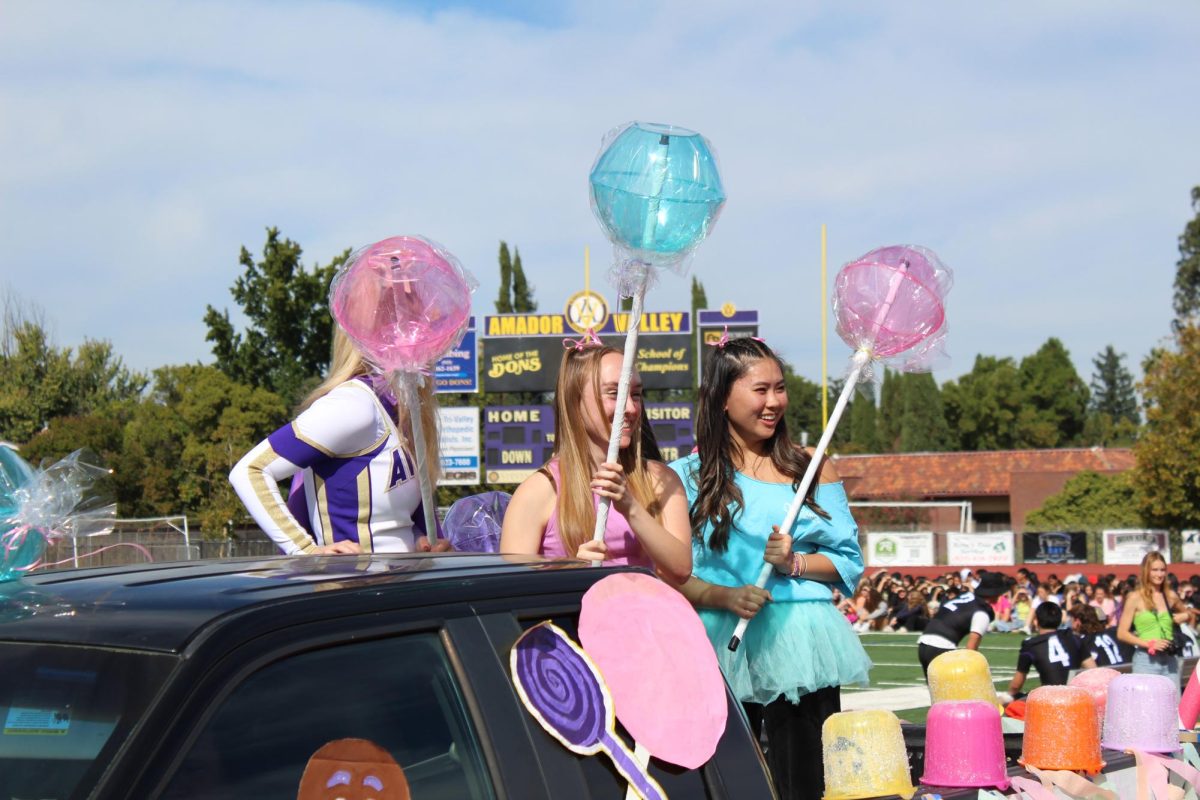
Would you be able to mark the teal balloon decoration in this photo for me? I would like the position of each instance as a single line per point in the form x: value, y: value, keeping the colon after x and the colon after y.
x: 656, y: 192
x: 18, y: 549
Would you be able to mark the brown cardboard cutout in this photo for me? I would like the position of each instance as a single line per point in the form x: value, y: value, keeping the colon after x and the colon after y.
x: 352, y: 769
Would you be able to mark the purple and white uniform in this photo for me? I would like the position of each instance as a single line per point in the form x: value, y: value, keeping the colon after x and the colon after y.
x: 356, y: 480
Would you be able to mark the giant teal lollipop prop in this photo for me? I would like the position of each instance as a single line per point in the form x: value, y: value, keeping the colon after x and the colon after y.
x: 657, y: 193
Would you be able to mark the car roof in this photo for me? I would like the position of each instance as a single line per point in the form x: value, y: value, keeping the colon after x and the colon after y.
x: 160, y: 607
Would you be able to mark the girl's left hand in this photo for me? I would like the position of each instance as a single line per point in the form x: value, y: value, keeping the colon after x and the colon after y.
x: 779, y: 551
x: 609, y: 481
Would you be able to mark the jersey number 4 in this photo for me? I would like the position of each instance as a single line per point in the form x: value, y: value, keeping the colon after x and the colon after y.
x: 1057, y: 654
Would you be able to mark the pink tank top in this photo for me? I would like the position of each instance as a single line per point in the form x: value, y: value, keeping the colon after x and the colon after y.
x: 623, y: 545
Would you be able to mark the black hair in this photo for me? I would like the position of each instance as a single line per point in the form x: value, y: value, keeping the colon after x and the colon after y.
x: 1049, y: 615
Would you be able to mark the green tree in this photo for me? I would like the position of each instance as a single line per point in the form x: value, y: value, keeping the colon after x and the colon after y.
x: 1168, y: 471
x: 286, y: 343
x: 183, y: 440
x: 1054, y: 399
x: 43, y: 381
x: 504, y: 304
x: 1187, y: 270
x: 982, y: 406
x: 804, y: 406
x: 522, y: 300
x: 923, y: 427
x: 864, y: 424
x: 699, y: 297
x: 1113, y: 412
x: 891, y: 409
x: 1090, y: 501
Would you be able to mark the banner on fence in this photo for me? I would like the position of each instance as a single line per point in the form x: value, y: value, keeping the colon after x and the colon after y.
x: 1129, y: 546
x: 900, y: 549
x: 1054, y: 547
x: 992, y: 549
x: 1191, y: 546
x: 459, y: 445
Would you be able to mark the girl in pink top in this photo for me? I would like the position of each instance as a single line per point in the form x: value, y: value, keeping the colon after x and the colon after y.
x: 554, y: 511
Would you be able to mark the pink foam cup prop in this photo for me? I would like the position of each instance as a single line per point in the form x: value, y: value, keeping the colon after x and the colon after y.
x: 964, y: 746
x: 658, y: 664
x: 1061, y: 730
x: 404, y: 302
x: 1142, y: 714
x: 889, y: 302
x: 1189, y: 706
x: 1095, y: 682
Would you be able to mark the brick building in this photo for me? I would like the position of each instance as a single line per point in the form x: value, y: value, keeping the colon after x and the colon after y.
x: 1002, y: 486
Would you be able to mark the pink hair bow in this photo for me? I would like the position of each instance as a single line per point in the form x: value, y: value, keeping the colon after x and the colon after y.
x: 724, y: 340
x: 588, y: 340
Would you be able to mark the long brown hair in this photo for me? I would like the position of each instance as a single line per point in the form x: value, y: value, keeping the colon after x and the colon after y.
x: 575, y: 503
x: 347, y: 363
x: 718, y: 498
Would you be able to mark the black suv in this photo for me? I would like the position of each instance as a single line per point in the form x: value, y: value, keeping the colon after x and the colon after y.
x: 218, y: 679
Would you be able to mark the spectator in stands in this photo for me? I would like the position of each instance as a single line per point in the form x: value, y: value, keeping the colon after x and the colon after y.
x: 912, y: 615
x: 1100, y: 644
x: 1002, y: 609
x: 1104, y: 605
x: 1052, y: 651
x: 1022, y: 608
x: 1148, y: 620
x: 966, y: 616
x: 870, y: 610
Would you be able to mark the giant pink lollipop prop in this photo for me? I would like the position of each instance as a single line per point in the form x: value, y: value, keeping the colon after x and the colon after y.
x: 659, y: 666
x: 890, y: 306
x: 404, y: 302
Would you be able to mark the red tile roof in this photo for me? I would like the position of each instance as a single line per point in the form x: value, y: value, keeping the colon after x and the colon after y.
x: 912, y: 476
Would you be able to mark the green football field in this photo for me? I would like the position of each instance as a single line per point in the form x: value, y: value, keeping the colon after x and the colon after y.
x: 895, y: 664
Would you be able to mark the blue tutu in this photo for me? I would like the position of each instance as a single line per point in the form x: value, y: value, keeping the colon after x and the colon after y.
x: 790, y: 649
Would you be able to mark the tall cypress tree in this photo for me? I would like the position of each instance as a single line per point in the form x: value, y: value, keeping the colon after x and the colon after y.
x: 1187, y: 272
x: 522, y: 292
x: 1112, y: 387
x: 891, y: 409
x: 504, y: 303
x: 923, y: 425
x: 699, y: 297
x: 864, y: 423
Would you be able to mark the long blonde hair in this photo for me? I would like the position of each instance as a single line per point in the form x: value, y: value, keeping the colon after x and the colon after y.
x: 1144, y: 589
x: 347, y: 363
x: 575, y: 501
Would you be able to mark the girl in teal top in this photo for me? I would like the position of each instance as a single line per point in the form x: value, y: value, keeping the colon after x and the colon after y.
x: 1148, y: 620
x: 798, y: 648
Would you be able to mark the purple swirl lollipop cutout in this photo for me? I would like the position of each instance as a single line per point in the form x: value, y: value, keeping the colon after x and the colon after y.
x: 563, y: 690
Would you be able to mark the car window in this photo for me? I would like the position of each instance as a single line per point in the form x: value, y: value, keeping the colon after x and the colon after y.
x: 603, y: 780
x: 398, y: 693
x: 70, y: 707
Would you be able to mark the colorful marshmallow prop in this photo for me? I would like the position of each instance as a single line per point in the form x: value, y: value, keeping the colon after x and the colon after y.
x: 404, y: 302
x: 657, y: 193
x: 890, y: 307
x: 563, y: 690
x: 658, y: 665
x: 40, y: 507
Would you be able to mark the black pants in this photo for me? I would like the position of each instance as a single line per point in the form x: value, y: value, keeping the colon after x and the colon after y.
x: 927, y: 653
x: 793, y: 734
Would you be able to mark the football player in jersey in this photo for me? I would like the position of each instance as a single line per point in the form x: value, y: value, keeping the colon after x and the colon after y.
x: 1052, y: 651
x: 967, y: 615
x: 1100, y: 643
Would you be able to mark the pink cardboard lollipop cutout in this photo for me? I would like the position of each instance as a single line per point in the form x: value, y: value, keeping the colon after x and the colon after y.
x: 404, y: 302
x: 888, y: 303
x: 659, y: 666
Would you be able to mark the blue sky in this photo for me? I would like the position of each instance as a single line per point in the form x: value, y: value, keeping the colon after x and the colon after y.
x: 1044, y: 150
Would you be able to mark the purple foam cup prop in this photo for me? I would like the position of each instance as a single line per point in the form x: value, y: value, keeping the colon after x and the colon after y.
x: 964, y: 746
x: 404, y: 302
x: 887, y: 303
x: 563, y: 690
x: 1142, y: 713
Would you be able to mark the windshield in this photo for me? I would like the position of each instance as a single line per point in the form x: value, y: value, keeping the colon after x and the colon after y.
x: 65, y: 711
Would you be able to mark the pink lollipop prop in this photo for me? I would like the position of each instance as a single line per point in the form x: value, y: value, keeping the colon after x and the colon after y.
x: 404, y: 302
x: 889, y: 305
x: 659, y: 666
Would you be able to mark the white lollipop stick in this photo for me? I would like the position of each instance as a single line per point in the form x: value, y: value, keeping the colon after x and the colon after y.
x: 631, y: 336
x: 859, y: 360
x: 408, y: 383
